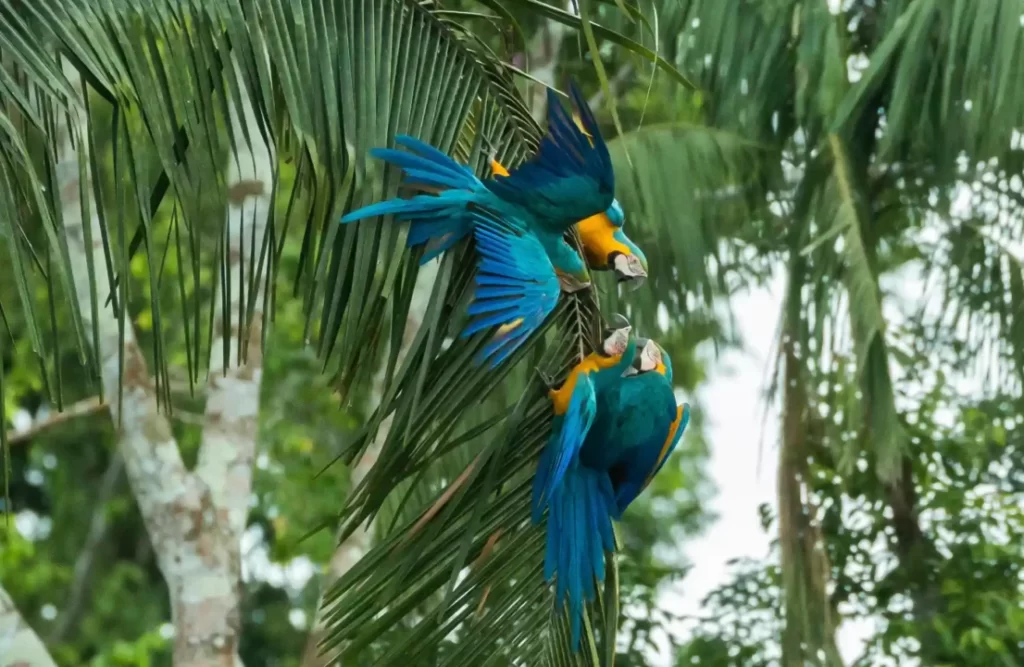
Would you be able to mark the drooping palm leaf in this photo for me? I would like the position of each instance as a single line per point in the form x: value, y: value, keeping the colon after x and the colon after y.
x: 328, y: 80
x: 686, y: 189
x: 496, y: 607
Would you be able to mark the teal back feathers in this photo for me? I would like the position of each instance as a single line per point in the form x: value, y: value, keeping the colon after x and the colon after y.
x: 609, y: 444
x: 517, y: 282
x: 570, y: 178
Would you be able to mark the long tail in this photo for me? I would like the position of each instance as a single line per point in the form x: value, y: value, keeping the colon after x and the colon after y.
x: 438, y: 220
x: 579, y: 532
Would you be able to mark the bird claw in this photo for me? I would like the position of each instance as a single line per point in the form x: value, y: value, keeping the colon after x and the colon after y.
x: 545, y: 379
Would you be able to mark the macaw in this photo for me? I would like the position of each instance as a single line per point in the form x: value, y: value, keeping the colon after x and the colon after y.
x: 605, y: 244
x: 616, y: 422
x: 518, y: 221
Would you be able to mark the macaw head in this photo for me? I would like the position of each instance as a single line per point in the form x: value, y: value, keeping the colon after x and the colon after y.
x: 649, y: 357
x: 605, y: 244
x: 608, y: 248
x: 615, y: 336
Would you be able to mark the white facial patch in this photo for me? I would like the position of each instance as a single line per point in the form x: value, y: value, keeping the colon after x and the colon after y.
x: 650, y: 357
x: 617, y: 342
x: 629, y: 266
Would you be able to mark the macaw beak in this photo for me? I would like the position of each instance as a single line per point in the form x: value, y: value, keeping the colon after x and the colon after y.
x: 616, y: 322
x: 650, y: 357
x: 637, y: 365
x: 629, y: 270
x: 616, y: 336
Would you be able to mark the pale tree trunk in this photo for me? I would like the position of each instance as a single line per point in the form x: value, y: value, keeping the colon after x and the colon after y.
x: 19, y: 645
x: 355, y: 546
x: 194, y: 519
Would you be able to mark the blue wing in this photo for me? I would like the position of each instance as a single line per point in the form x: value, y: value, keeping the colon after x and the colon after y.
x: 631, y: 433
x: 570, y: 178
x: 438, y: 220
x: 516, y: 285
x: 567, y: 434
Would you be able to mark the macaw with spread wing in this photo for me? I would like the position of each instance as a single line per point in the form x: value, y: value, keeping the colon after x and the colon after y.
x: 616, y: 422
x: 518, y: 220
x: 605, y: 244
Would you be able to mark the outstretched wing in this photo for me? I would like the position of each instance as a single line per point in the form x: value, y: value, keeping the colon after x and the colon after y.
x: 439, y: 219
x: 571, y: 176
x: 573, y: 418
x: 516, y: 285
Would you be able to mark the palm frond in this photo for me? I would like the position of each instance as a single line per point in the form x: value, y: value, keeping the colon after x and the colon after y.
x: 421, y: 567
x: 686, y: 188
x: 327, y: 81
x: 886, y: 433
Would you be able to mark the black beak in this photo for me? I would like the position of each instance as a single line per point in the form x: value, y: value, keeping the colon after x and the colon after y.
x: 615, y: 322
x: 641, y: 343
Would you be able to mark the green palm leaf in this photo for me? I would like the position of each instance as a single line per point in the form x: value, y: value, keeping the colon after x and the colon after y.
x: 327, y: 81
x: 686, y: 188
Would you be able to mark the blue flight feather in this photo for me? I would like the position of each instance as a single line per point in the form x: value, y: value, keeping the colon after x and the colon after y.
x: 683, y: 421
x: 568, y: 179
x: 518, y: 264
x: 567, y: 434
x: 516, y: 284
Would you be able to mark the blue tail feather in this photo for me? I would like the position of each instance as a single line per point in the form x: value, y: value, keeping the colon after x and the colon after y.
x: 438, y: 221
x: 578, y: 532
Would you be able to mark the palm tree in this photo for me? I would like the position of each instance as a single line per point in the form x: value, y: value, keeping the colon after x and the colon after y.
x: 885, y: 119
x: 296, y: 93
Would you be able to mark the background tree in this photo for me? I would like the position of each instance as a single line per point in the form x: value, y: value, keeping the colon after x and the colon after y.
x: 863, y: 146
x: 144, y: 215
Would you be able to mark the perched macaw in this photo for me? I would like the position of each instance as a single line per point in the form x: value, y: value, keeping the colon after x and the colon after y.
x: 605, y: 244
x: 616, y: 422
x: 518, y: 220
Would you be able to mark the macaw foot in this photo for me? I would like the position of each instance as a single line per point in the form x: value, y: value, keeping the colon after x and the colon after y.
x: 546, y: 380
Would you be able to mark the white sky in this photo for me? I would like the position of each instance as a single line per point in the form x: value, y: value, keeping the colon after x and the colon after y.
x: 744, y: 453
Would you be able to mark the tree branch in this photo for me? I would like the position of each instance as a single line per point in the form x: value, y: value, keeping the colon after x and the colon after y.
x: 81, y: 408
x: 194, y: 521
x: 94, y: 539
x: 19, y: 644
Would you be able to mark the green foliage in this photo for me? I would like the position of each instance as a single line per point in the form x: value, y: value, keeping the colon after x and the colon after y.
x: 836, y: 145
x: 163, y: 89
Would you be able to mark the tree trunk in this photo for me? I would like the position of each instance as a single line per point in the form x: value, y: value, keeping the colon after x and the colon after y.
x: 194, y: 520
x: 19, y: 644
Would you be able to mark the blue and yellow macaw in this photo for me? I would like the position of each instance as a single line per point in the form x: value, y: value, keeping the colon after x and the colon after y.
x: 616, y: 422
x: 518, y: 220
x: 605, y: 244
